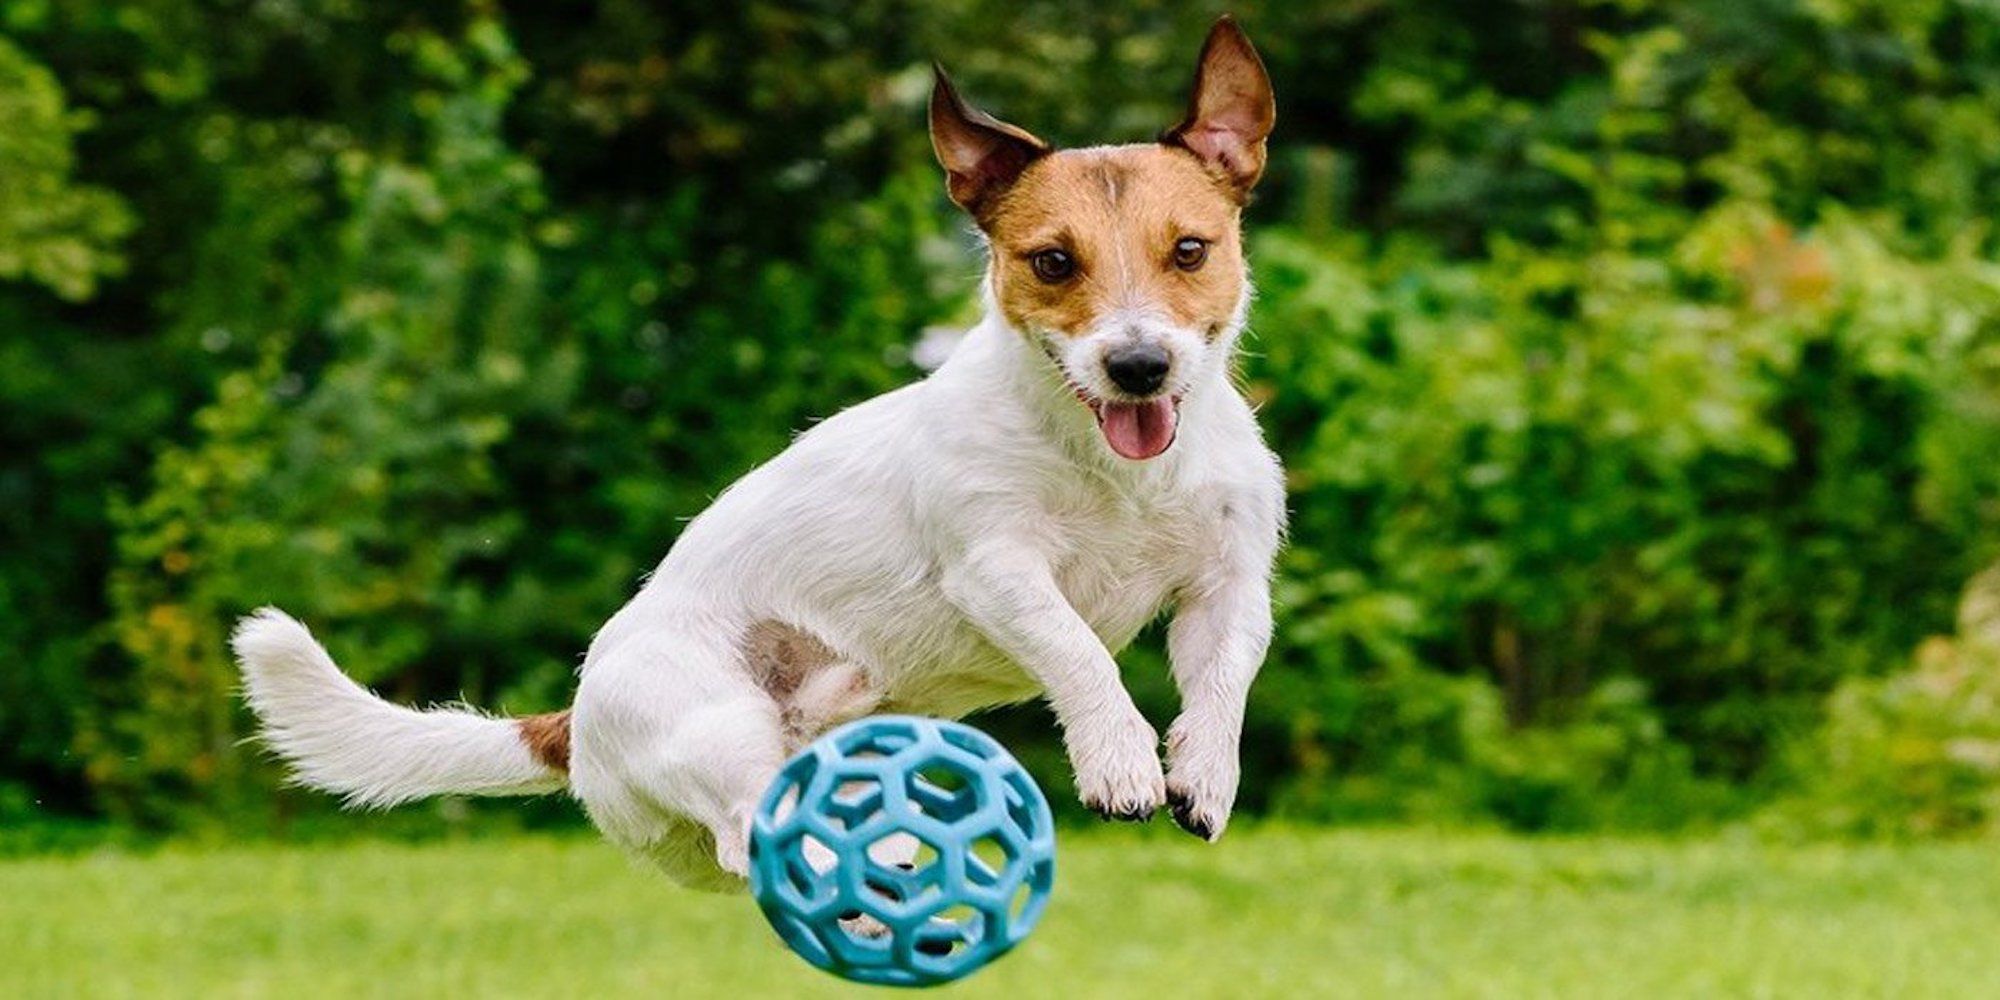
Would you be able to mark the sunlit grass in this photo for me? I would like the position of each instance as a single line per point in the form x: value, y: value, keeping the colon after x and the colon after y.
x: 1272, y: 912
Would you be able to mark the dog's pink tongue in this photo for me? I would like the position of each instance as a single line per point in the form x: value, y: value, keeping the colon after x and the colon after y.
x: 1138, y: 430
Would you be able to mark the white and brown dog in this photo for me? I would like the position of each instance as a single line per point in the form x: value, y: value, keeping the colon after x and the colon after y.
x: 1080, y: 463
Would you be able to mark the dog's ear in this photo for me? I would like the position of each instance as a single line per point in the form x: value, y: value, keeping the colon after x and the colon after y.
x: 981, y: 154
x: 1231, y: 110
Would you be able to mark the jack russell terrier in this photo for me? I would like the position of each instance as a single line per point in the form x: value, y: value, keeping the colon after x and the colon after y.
x: 1080, y: 463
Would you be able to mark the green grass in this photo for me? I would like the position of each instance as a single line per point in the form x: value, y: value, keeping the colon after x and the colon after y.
x: 1271, y: 912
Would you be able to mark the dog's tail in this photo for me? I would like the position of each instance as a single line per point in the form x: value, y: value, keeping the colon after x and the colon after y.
x: 340, y: 738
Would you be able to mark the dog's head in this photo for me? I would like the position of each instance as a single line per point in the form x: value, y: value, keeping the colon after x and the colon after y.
x: 1123, y: 263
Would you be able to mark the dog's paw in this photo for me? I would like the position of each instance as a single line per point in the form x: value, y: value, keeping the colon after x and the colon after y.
x: 732, y: 848
x: 1118, y: 771
x: 1134, y: 800
x: 1204, y: 821
x: 1201, y: 782
x: 734, y: 858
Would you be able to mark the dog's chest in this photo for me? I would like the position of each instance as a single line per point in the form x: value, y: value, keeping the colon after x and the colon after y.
x: 1119, y: 558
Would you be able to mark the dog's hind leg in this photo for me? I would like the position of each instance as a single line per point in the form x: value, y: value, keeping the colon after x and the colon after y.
x: 670, y: 729
x: 692, y: 724
x: 719, y: 761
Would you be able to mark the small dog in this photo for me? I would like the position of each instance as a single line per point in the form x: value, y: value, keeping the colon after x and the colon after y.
x: 1080, y: 463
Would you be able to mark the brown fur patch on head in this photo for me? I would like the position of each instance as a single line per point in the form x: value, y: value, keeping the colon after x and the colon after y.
x: 1118, y: 212
x: 547, y: 737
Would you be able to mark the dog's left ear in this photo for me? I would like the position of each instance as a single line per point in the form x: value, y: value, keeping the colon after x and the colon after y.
x: 1231, y: 110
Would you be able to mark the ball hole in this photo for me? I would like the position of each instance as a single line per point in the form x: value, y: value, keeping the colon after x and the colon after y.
x: 945, y: 779
x: 943, y: 792
x: 814, y: 854
x: 1023, y: 895
x: 854, y: 803
x: 1021, y: 806
x: 953, y: 930
x: 901, y: 873
x: 786, y: 805
x: 804, y: 866
x: 987, y: 860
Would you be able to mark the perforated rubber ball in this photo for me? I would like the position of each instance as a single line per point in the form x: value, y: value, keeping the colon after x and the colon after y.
x: 902, y: 851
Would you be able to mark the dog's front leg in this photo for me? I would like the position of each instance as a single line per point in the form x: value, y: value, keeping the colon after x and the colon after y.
x: 1217, y: 641
x: 1009, y: 593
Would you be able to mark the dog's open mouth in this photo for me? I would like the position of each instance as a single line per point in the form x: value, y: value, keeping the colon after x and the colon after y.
x: 1137, y: 431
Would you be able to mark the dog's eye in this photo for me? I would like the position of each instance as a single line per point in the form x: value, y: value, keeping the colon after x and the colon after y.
x: 1052, y: 266
x: 1190, y: 252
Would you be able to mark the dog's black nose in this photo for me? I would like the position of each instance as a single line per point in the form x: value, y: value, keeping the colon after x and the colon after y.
x: 1139, y: 369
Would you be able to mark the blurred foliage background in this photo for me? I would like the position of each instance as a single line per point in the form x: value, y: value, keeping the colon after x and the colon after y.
x: 1636, y: 363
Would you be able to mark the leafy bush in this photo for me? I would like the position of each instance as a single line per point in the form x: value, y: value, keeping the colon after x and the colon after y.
x: 1915, y: 754
x: 1696, y: 477
x: 54, y: 231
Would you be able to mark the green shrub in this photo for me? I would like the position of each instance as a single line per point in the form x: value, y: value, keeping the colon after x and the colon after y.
x: 1692, y: 485
x: 1916, y: 754
x: 54, y: 231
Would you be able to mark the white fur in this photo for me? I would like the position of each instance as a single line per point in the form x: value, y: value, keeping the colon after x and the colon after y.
x: 964, y: 541
x: 334, y: 733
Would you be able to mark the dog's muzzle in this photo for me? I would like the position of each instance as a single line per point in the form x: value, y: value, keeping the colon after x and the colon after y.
x: 1140, y: 369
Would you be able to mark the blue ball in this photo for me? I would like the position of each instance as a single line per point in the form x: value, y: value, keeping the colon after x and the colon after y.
x: 928, y: 827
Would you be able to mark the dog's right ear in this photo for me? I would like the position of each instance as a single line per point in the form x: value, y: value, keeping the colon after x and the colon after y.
x: 981, y: 154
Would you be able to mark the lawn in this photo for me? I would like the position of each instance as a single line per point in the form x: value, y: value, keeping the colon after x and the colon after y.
x: 1137, y: 913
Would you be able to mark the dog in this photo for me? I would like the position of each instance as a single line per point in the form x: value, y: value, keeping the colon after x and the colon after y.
x: 1081, y: 463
